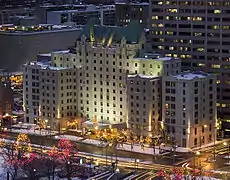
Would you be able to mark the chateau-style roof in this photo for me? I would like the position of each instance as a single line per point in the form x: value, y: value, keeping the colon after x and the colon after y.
x: 97, y: 33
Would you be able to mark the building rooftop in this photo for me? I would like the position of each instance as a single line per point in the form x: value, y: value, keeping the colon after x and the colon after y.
x: 141, y: 76
x: 46, y: 65
x: 107, y: 34
x: 41, y: 28
x: 61, y: 52
x: 155, y: 56
x: 191, y: 75
x: 133, y: 3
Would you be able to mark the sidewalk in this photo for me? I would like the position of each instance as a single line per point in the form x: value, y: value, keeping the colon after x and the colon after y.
x: 41, y: 132
x: 202, y: 148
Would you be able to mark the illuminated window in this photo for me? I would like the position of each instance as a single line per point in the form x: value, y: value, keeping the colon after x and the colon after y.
x: 167, y: 17
x: 160, y: 47
x: 215, y: 66
x: 160, y: 25
x: 217, y: 104
x: 169, y: 33
x: 200, y: 49
x: 175, y: 55
x: 171, y: 48
x: 217, y: 11
x: 160, y: 3
x: 223, y: 105
x: 155, y: 17
x: 201, y: 65
x: 218, y: 82
x: 166, y: 106
x: 140, y: 9
x: 172, y: 10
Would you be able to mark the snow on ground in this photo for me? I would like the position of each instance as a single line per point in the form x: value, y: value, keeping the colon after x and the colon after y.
x: 95, y: 142
x: 210, y: 144
x: 199, y: 178
x: 69, y: 137
x: 2, y: 171
x: 138, y: 149
x: 178, y: 149
x: 42, y: 132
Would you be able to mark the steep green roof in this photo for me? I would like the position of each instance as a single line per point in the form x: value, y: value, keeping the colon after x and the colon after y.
x: 132, y: 32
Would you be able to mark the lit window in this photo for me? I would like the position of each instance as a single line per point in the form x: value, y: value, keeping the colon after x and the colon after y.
x: 216, y: 66
x: 217, y: 11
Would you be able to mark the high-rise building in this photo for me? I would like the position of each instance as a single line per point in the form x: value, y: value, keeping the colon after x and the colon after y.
x: 49, y: 94
x: 189, y: 108
x: 144, y: 92
x: 198, y: 33
x: 103, y: 57
x: 130, y: 11
x: 144, y: 104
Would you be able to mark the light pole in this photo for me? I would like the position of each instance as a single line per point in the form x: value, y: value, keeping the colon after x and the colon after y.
x: 202, y: 130
x: 227, y: 144
x: 214, y: 153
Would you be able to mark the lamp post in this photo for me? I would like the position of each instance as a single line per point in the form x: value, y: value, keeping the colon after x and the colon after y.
x: 214, y: 152
x: 227, y: 144
x: 201, y: 132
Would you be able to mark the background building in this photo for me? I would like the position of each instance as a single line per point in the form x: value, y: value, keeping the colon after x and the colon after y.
x: 130, y: 11
x: 21, y: 44
x: 189, y: 108
x: 6, y: 99
x: 104, y: 15
x: 198, y: 33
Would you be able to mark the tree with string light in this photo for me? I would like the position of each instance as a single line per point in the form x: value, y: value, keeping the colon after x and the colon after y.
x: 66, y: 151
x: 14, y: 154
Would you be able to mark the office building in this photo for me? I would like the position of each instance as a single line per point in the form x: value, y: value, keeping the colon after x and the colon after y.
x: 76, y: 14
x: 132, y: 11
x: 189, y: 108
x: 198, y: 33
x: 20, y: 44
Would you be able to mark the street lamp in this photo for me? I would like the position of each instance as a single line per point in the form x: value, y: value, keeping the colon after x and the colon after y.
x: 137, y: 161
x: 201, y: 132
x: 227, y: 144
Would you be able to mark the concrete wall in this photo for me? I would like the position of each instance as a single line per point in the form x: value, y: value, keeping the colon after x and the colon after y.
x: 16, y: 49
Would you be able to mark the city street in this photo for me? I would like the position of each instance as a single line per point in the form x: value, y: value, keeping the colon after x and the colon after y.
x: 108, y: 155
x: 167, y: 159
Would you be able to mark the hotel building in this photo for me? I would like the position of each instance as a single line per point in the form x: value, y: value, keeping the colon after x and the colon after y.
x: 189, y: 108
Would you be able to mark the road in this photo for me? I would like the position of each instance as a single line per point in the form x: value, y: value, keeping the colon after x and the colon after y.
x: 108, y: 151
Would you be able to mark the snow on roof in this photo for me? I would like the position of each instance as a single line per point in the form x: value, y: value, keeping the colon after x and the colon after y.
x: 45, y: 65
x: 141, y: 76
x: 48, y: 54
x: 61, y: 52
x: 191, y: 75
